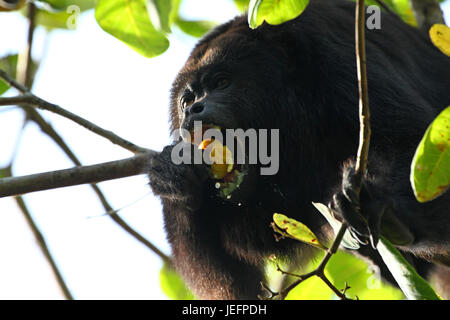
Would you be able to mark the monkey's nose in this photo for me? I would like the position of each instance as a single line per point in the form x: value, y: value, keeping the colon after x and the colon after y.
x: 196, y: 108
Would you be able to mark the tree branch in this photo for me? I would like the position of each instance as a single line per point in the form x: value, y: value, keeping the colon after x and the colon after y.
x: 362, y: 155
x: 30, y: 99
x: 364, y: 112
x: 318, y: 272
x: 75, y: 176
x: 24, y: 76
x: 50, y: 131
x: 44, y: 248
x: 427, y: 12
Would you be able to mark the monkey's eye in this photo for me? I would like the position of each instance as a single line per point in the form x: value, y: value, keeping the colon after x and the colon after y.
x: 187, y: 99
x: 221, y: 81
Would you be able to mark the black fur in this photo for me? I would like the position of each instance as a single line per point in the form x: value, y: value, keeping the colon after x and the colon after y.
x: 300, y: 77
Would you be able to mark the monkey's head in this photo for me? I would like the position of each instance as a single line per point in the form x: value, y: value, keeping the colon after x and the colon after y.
x: 235, y: 78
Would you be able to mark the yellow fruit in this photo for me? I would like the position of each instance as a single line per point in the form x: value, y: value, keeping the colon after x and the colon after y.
x: 221, y: 156
x: 440, y: 36
x: 205, y: 143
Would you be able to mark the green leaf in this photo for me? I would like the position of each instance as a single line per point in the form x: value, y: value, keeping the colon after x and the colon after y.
x: 56, y: 4
x: 195, y: 28
x: 128, y: 21
x: 404, y: 10
x: 412, y: 285
x: 63, y: 4
x: 348, y: 241
x: 311, y: 289
x: 430, y: 168
x: 274, y: 11
x: 174, y: 12
x: 297, y: 230
x: 172, y: 285
x: 159, y: 14
x: 345, y: 268
x: 4, y: 172
x: 62, y: 14
x: 242, y: 5
x: 9, y: 65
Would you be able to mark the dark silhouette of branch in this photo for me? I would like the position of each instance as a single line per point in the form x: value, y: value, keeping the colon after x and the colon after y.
x: 361, y: 163
x: 51, y: 132
x: 318, y: 272
x: 75, y: 176
x: 44, y: 248
x: 427, y: 12
x: 34, y: 115
x: 24, y: 76
x: 30, y: 99
x: 364, y: 112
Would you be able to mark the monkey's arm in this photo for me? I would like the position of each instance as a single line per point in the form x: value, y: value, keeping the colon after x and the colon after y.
x: 195, y: 234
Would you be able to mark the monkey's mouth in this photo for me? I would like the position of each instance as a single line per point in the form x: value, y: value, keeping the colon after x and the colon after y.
x: 225, y: 168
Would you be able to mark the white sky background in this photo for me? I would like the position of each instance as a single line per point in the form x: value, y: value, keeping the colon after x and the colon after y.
x: 99, y: 78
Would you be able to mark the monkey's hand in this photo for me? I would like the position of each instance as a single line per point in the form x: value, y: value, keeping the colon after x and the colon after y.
x: 370, y: 214
x: 178, y: 182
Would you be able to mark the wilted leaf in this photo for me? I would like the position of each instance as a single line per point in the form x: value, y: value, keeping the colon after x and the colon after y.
x: 430, y: 168
x: 347, y: 241
x: 412, y: 285
x: 172, y: 285
x: 128, y: 21
x: 440, y: 36
x: 274, y: 11
x: 297, y: 230
x: 195, y: 28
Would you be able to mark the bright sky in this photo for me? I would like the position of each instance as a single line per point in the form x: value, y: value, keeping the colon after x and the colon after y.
x: 103, y: 80
x: 98, y: 77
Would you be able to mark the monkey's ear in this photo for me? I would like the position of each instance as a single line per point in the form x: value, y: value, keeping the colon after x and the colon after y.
x: 394, y: 230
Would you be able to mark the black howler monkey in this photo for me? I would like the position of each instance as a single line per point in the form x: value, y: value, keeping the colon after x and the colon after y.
x: 300, y: 77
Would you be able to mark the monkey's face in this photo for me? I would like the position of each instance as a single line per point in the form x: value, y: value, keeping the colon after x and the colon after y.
x: 228, y: 86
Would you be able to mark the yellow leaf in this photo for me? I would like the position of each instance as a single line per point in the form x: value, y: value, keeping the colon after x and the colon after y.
x: 440, y: 36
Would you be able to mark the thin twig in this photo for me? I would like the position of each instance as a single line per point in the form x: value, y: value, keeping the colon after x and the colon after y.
x: 24, y: 76
x: 44, y: 248
x: 319, y: 271
x: 51, y: 132
x: 30, y: 99
x: 75, y: 176
x: 24, y: 64
x: 362, y: 156
x: 364, y: 112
